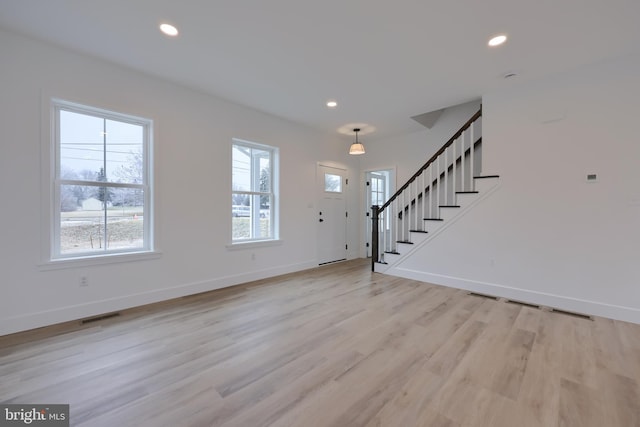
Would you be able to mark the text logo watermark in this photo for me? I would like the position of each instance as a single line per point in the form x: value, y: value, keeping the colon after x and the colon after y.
x: 12, y: 415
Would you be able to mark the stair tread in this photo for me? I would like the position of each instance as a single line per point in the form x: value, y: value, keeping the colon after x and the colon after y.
x: 382, y: 262
x: 406, y: 242
x: 449, y: 206
x: 467, y: 192
x: 418, y: 231
x: 486, y: 176
x: 432, y: 219
x: 392, y: 252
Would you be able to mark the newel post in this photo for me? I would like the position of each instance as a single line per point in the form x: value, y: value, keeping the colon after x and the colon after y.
x: 374, y: 236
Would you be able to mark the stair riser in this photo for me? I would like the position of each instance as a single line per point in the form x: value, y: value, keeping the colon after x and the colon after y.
x: 465, y: 199
x: 380, y: 268
x: 418, y: 238
x: 485, y: 184
x: 391, y: 258
x: 403, y: 248
x: 449, y: 213
x: 432, y: 226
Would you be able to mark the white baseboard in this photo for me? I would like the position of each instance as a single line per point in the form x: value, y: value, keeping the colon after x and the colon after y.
x: 627, y: 314
x: 73, y: 312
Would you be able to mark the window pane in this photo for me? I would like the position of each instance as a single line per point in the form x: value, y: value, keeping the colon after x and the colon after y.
x: 124, y: 148
x: 263, y: 219
x: 250, y: 221
x: 81, y: 220
x: 125, y: 219
x: 241, y: 221
x: 332, y: 183
x: 265, y: 171
x: 241, y: 169
x: 81, y: 146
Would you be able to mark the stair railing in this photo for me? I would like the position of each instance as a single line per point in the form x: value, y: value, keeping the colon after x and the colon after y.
x: 449, y: 171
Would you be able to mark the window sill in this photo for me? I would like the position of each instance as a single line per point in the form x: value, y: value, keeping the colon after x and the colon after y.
x: 254, y: 244
x: 98, y: 260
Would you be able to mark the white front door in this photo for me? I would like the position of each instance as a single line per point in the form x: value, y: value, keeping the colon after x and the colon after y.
x: 332, y: 215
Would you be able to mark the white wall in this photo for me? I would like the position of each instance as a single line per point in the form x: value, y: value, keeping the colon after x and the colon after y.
x: 192, y: 169
x: 546, y: 235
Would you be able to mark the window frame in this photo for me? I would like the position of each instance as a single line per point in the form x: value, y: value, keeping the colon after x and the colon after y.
x: 54, y: 257
x: 273, y: 195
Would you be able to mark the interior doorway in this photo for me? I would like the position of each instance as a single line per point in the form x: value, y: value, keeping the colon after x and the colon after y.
x: 378, y: 185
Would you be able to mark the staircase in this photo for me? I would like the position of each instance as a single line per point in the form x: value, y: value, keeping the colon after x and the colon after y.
x: 443, y: 189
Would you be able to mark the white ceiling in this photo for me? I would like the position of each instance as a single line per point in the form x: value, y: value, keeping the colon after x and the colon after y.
x: 383, y: 61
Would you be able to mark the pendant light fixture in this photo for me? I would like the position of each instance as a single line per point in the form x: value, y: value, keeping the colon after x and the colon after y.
x: 356, y: 148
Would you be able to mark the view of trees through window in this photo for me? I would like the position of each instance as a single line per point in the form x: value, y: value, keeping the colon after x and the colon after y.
x: 252, y: 192
x: 100, y: 183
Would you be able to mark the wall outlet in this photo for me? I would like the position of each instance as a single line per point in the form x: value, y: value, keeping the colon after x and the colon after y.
x: 84, y: 281
x: 253, y: 257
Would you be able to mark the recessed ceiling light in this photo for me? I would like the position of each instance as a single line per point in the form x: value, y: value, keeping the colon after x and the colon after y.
x: 497, y: 40
x: 169, y: 30
x: 332, y: 103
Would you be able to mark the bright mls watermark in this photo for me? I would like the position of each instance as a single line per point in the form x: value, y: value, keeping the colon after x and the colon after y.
x: 34, y: 415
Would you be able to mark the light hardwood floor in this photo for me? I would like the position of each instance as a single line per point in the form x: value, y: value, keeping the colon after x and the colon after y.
x: 333, y: 346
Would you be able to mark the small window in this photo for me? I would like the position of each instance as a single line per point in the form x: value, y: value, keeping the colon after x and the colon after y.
x: 332, y: 183
x: 102, y: 190
x: 253, y: 192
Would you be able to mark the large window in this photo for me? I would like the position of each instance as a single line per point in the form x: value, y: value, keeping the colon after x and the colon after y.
x: 101, y: 188
x: 254, y: 191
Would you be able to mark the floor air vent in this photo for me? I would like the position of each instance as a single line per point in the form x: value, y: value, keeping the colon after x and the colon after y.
x: 98, y: 318
x: 525, y: 304
x: 475, y: 294
x: 531, y: 305
x: 571, y: 313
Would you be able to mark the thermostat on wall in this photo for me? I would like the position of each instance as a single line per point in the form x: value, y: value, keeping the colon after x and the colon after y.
x: 592, y: 177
